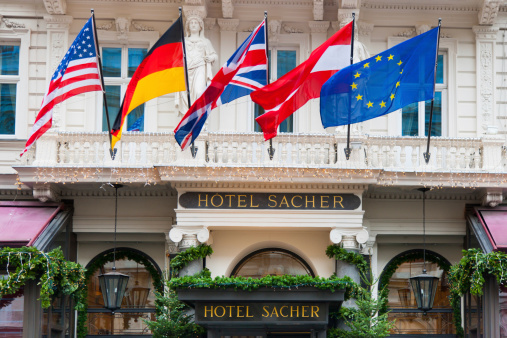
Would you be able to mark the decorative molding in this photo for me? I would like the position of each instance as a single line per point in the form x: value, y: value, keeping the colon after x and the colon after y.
x: 228, y: 25
x: 209, y: 23
x: 368, y: 246
x: 195, y: 2
x: 351, y: 239
x: 267, y: 186
x: 290, y: 3
x: 318, y: 26
x: 492, y: 197
x: 227, y: 9
x: 350, y: 3
x: 122, y: 28
x: 486, y: 32
x: 172, y: 247
x: 274, y: 27
x: 46, y: 192
x: 186, y: 236
x: 58, y: 21
x: 104, y: 192
x: 345, y: 16
x: 12, y: 24
x: 290, y: 29
x: 365, y: 28
x: 420, y: 29
x: 377, y: 5
x: 318, y: 10
x: 416, y: 195
x: 489, y: 11
x: 142, y: 28
x: 106, y: 26
x: 195, y: 11
x: 55, y: 6
x: 406, y: 33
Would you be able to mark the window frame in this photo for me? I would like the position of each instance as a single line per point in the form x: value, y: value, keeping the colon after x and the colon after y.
x: 448, y: 47
x: 21, y: 38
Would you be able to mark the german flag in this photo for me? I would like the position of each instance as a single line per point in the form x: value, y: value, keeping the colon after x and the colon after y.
x: 161, y: 72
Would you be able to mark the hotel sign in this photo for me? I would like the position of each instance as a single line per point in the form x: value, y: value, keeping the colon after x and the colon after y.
x: 265, y: 312
x: 276, y: 201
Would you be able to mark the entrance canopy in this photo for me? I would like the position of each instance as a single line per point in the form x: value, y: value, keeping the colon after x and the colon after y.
x: 494, y: 223
x: 22, y: 223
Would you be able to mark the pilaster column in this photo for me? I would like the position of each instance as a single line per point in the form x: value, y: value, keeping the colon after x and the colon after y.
x: 228, y: 45
x: 57, y: 28
x: 186, y: 237
x: 485, y: 37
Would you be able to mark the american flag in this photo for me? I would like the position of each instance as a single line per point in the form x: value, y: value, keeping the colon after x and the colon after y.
x: 244, y: 72
x: 77, y: 73
x: 137, y: 125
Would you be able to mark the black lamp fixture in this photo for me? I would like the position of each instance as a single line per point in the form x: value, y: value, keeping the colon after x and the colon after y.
x: 113, y: 284
x: 424, y: 286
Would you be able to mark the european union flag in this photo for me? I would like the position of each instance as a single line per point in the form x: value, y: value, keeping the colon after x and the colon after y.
x: 381, y: 84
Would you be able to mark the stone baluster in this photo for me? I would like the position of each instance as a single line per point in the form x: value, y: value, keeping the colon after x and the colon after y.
x: 230, y: 153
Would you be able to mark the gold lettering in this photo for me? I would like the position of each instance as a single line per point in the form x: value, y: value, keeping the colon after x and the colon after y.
x: 247, y: 311
x: 303, y: 308
x: 271, y: 200
x: 221, y: 201
x: 281, y: 313
x: 339, y: 202
x: 230, y: 199
x: 316, y: 312
x: 266, y: 311
x: 230, y: 310
x: 206, y: 311
x: 251, y: 203
x: 203, y: 200
x: 239, y: 309
x: 313, y: 201
x: 322, y: 202
x: 284, y: 201
x: 292, y: 310
x: 274, y: 311
x: 223, y: 311
x: 241, y: 201
x: 293, y: 204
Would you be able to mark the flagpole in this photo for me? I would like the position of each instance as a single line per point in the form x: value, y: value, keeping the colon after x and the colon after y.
x: 271, y: 150
x: 193, y: 148
x: 348, y: 150
x: 427, y: 154
x: 112, y: 151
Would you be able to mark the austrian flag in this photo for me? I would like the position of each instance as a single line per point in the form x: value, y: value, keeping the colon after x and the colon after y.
x: 289, y: 93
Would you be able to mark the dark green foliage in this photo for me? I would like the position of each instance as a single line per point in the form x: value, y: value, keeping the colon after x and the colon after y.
x: 340, y: 254
x: 191, y: 254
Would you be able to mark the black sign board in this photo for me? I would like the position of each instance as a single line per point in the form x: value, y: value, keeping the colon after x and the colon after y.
x: 261, y: 312
x: 275, y: 201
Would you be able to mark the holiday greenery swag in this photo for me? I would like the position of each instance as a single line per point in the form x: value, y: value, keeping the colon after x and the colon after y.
x: 55, y: 275
x: 184, y: 258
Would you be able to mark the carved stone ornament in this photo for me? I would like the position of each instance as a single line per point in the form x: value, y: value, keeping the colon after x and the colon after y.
x: 195, y: 11
x: 45, y: 193
x: 406, y: 33
x: 318, y: 10
x: 228, y: 25
x: 105, y: 26
x: 142, y: 28
x: 55, y: 6
x: 189, y: 236
x: 318, y: 26
x: 122, y: 27
x: 58, y: 22
x: 209, y: 24
x: 489, y: 11
x: 492, y: 198
x: 365, y: 28
x: 227, y: 9
x: 420, y: 29
x: 274, y: 27
x: 12, y: 24
x: 350, y: 3
x: 290, y: 29
x: 345, y: 16
x: 172, y: 247
x: 349, y: 238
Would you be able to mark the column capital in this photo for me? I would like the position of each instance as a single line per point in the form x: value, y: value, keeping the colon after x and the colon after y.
x: 228, y: 25
x: 195, y: 11
x: 351, y: 239
x: 189, y: 236
x: 318, y: 26
x: 172, y: 247
x: 486, y: 32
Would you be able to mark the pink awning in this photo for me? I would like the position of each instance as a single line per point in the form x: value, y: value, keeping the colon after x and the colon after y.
x: 22, y: 222
x: 494, y: 222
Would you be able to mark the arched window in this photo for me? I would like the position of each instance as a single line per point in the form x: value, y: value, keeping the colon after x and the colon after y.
x: 272, y: 261
x: 401, y: 300
x: 139, y: 300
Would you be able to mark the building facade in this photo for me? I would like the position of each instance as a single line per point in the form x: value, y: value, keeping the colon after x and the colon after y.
x: 260, y: 215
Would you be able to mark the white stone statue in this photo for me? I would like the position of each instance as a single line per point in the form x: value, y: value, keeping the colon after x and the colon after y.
x: 200, y: 58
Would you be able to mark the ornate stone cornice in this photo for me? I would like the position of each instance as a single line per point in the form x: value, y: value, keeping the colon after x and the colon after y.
x: 46, y: 192
x: 58, y: 21
x: 291, y: 3
x: 267, y: 186
x: 11, y: 24
x: 195, y: 11
x: 142, y: 28
x: 486, y: 32
x: 318, y: 10
x: 210, y: 23
x: 377, y: 5
x: 228, y: 25
x: 55, y: 6
x: 104, y: 191
x: 416, y: 195
x: 489, y: 11
x: 365, y: 28
x: 318, y: 26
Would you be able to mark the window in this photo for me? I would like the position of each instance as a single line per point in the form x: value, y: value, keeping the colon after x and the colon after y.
x: 139, y: 301
x: 9, y: 78
x: 416, y: 117
x: 274, y: 262
x: 119, y: 64
x: 286, y: 60
x: 402, y: 304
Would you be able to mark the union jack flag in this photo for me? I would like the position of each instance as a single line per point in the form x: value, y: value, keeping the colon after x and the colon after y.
x: 244, y: 72
x: 77, y: 73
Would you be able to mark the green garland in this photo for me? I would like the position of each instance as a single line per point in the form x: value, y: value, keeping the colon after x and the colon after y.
x: 203, y: 280
x: 82, y: 330
x: 340, y: 254
x: 183, y: 258
x: 468, y: 276
x: 55, y: 274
